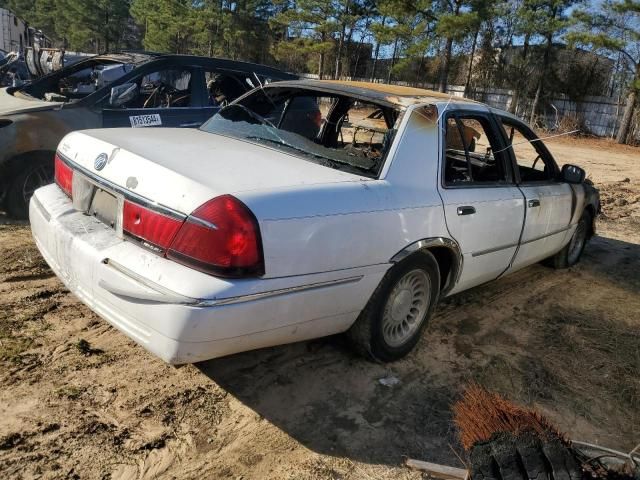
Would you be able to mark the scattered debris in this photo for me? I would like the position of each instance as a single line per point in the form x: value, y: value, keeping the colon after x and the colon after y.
x: 86, y: 349
x: 389, y: 381
x: 507, y: 442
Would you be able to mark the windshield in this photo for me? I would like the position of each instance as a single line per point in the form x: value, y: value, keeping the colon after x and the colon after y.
x: 338, y: 132
x: 77, y: 81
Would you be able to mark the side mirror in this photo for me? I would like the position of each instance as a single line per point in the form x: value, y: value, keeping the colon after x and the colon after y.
x: 122, y: 94
x: 572, y: 174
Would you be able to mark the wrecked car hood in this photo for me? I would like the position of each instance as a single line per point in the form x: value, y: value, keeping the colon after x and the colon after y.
x: 182, y: 168
x: 12, y: 104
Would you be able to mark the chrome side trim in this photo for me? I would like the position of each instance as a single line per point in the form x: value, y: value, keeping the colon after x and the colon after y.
x: 275, y: 293
x: 425, y: 243
x: 493, y: 250
x: 117, y: 190
x: 168, y: 296
x: 540, y: 237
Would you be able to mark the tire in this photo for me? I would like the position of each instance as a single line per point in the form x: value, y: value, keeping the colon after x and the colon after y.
x: 34, y: 174
x: 523, y: 457
x: 572, y: 251
x: 392, y: 321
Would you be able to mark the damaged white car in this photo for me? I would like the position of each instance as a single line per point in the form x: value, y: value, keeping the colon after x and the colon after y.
x: 304, y: 209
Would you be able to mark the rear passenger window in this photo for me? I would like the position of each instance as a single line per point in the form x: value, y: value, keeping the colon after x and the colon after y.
x: 470, y: 146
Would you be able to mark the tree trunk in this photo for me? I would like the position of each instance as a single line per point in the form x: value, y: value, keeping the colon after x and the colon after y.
x: 375, y: 56
x: 444, y: 71
x: 625, y: 126
x: 513, y: 108
x: 336, y: 74
x: 393, y: 60
x: 545, y: 67
x: 467, y: 85
x: 323, y: 37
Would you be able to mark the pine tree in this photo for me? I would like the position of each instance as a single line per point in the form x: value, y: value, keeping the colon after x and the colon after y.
x: 615, y: 27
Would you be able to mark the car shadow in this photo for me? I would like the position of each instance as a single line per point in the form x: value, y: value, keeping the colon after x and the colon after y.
x: 335, y: 403
x: 338, y: 404
x: 614, y: 259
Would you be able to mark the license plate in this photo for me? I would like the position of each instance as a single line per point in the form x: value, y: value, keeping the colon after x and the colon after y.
x: 104, y: 207
x: 150, y: 120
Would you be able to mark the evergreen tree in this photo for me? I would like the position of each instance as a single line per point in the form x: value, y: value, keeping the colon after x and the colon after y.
x: 615, y: 27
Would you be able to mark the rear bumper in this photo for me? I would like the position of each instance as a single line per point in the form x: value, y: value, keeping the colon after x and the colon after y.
x: 181, y: 315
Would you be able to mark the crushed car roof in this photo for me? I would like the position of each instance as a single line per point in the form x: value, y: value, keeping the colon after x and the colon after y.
x: 382, y: 92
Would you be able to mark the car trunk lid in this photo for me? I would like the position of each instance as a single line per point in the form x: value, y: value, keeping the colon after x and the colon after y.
x: 183, y: 168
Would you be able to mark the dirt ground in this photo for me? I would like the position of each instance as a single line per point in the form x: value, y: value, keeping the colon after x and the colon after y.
x: 79, y: 400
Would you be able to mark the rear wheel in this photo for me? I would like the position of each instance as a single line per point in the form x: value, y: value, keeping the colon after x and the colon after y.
x: 571, y: 253
x: 390, y: 325
x: 34, y: 175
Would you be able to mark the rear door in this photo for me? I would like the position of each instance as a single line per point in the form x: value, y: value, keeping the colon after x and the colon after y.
x: 170, y: 96
x: 549, y: 202
x: 484, y: 209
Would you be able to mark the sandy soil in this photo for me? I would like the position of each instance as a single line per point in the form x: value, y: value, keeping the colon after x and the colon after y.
x: 79, y: 400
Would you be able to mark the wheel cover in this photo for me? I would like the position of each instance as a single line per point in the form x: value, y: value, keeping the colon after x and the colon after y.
x: 406, y: 307
x: 577, y: 242
x: 38, y: 177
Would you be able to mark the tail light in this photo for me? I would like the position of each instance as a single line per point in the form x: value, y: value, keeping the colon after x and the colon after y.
x: 221, y: 237
x: 152, y: 227
x: 63, y: 175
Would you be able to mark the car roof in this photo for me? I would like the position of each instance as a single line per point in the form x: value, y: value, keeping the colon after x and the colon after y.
x: 397, y: 95
x: 140, y: 57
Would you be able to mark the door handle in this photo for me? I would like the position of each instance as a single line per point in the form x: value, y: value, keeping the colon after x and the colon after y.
x: 534, y: 202
x: 191, y: 125
x: 466, y: 210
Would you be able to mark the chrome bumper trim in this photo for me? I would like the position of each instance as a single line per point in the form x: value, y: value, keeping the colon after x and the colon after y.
x: 165, y: 295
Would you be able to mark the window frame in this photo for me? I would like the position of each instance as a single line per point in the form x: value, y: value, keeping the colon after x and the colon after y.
x: 197, y: 86
x: 529, y: 134
x: 495, y: 131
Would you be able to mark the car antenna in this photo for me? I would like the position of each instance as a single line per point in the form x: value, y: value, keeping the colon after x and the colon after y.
x: 537, y: 140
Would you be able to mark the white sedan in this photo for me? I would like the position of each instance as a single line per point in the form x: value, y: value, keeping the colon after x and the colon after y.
x: 304, y: 209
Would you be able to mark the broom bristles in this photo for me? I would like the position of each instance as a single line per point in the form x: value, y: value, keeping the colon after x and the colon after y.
x: 480, y: 414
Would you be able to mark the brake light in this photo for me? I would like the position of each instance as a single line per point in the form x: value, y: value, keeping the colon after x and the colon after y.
x: 150, y: 226
x: 63, y: 175
x: 220, y: 237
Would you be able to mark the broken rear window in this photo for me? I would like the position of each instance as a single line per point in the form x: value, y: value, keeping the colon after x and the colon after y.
x: 339, y: 132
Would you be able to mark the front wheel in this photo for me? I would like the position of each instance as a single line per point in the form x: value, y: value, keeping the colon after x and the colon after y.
x: 391, y: 323
x: 572, y: 252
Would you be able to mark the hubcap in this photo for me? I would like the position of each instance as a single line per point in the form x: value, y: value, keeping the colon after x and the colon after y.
x: 577, y: 242
x: 39, y: 177
x: 405, y: 308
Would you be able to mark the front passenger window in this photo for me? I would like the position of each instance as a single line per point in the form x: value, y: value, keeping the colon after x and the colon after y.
x: 470, y: 147
x: 533, y: 162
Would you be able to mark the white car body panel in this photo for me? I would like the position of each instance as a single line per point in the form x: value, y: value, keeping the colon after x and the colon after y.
x: 546, y: 225
x: 328, y: 236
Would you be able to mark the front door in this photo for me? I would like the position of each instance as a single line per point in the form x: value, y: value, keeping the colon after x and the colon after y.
x: 549, y: 201
x: 484, y: 209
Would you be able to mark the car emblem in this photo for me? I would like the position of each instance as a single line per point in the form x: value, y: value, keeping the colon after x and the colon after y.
x: 100, y: 161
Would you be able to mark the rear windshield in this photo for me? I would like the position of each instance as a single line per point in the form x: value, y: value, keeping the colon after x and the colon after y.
x: 336, y: 131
